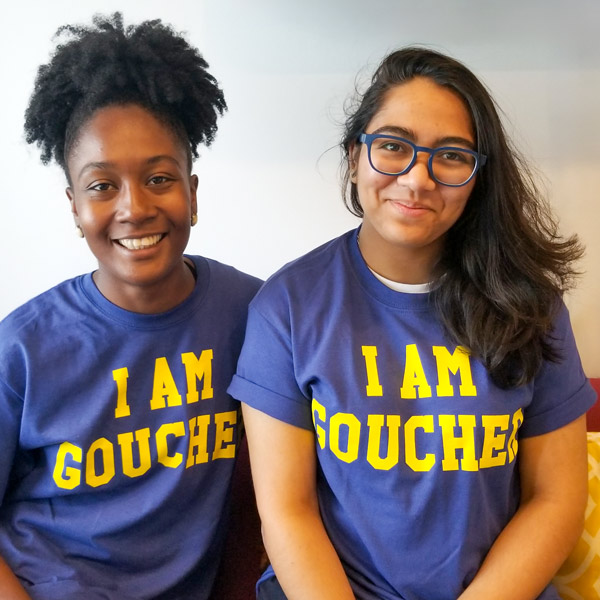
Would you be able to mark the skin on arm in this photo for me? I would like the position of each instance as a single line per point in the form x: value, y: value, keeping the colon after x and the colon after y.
x: 543, y: 531
x: 10, y: 588
x: 283, y: 462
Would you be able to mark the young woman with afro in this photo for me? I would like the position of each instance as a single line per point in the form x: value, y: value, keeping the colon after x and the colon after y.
x: 118, y: 438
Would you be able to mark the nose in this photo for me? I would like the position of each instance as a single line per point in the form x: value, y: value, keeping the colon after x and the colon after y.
x: 418, y: 177
x: 135, y: 205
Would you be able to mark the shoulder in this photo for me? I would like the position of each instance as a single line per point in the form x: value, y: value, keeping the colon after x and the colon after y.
x: 561, y: 337
x: 39, y: 325
x: 562, y: 320
x: 315, y: 270
x: 226, y: 280
x: 561, y: 390
x: 312, y: 264
x: 49, y: 308
x: 562, y: 363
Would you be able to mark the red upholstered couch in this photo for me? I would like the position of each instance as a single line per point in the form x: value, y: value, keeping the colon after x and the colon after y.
x: 244, y: 556
x: 593, y: 415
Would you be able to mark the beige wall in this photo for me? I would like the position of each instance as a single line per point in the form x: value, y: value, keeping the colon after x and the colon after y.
x: 552, y: 115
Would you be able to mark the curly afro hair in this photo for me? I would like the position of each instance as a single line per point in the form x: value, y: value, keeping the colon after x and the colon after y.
x: 146, y: 64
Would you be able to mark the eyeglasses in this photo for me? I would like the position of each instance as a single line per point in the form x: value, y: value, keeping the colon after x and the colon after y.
x: 448, y: 165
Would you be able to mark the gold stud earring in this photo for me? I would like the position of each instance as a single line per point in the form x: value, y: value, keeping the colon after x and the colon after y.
x: 194, y: 219
x: 79, y: 231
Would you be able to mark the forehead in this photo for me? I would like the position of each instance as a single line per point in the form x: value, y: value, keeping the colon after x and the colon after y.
x: 125, y: 132
x: 426, y: 108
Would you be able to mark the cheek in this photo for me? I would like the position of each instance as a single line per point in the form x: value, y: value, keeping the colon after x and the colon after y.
x: 459, y: 196
x: 360, y: 165
x: 455, y: 203
x: 374, y: 191
x: 94, y: 218
x: 369, y: 181
x: 183, y: 214
x: 89, y: 217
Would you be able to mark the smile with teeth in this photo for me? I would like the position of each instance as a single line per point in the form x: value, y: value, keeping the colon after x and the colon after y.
x: 140, y: 243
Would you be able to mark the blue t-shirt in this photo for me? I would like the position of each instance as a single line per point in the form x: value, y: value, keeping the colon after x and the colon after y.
x: 118, y: 439
x: 416, y: 447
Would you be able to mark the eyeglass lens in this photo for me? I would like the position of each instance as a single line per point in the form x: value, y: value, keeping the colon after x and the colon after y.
x: 393, y: 156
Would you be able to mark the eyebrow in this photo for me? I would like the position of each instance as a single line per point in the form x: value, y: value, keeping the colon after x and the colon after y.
x: 409, y: 134
x: 111, y: 165
x: 167, y: 157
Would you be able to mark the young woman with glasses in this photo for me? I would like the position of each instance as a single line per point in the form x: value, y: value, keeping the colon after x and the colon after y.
x: 412, y: 392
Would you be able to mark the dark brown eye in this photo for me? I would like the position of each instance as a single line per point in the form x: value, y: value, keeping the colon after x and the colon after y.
x: 158, y: 179
x: 100, y: 187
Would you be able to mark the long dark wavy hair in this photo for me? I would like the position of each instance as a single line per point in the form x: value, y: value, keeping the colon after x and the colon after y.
x: 107, y: 63
x: 504, y: 266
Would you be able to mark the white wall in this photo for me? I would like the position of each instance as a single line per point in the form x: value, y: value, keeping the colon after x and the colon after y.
x: 269, y: 185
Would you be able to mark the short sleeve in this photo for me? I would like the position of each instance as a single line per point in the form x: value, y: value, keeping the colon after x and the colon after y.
x: 265, y: 377
x: 561, y: 391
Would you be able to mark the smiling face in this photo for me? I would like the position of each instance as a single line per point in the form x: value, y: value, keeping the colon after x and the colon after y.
x: 133, y: 197
x: 406, y: 217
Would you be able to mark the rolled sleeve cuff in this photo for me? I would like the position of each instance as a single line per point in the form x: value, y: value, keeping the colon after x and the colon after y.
x: 289, y: 410
x: 572, y: 408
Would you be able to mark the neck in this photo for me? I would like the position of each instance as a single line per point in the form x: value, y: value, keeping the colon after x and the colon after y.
x: 399, y: 263
x: 156, y: 298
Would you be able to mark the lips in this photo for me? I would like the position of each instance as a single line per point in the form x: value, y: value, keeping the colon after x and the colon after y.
x: 409, y: 204
x: 409, y: 208
x: 140, y: 243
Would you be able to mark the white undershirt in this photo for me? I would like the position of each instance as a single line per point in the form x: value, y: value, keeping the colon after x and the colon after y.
x: 405, y: 288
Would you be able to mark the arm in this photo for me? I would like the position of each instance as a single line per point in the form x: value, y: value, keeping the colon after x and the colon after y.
x: 537, y: 540
x: 283, y: 462
x: 10, y: 588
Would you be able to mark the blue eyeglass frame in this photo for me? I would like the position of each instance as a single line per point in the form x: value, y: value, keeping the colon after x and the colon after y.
x: 367, y: 138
